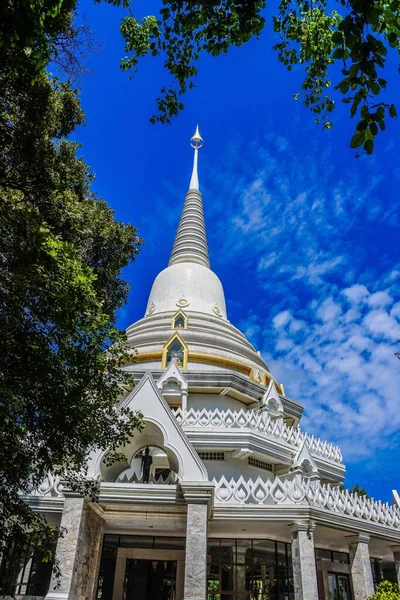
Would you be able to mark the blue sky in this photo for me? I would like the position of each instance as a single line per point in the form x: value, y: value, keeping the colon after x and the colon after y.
x: 304, y: 236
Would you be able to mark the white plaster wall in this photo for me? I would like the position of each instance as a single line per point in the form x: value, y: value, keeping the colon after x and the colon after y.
x: 211, y: 401
x: 235, y: 468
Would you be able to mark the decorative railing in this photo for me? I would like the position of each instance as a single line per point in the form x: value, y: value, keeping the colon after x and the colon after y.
x: 284, y: 491
x: 298, y: 490
x: 171, y: 479
x: 51, y: 487
x: 259, y: 421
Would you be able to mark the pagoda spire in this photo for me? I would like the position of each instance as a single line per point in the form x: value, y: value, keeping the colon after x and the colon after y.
x: 190, y: 243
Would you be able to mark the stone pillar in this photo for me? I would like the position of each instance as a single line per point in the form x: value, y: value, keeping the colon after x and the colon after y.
x: 78, y: 551
x: 303, y: 557
x: 360, y: 563
x: 184, y: 400
x: 199, y: 498
x: 396, y: 556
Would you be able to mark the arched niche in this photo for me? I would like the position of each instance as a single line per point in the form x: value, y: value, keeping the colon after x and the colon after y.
x: 151, y: 435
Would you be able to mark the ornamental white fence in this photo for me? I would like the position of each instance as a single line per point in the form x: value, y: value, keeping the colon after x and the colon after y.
x: 298, y: 490
x: 287, y: 491
x: 261, y: 422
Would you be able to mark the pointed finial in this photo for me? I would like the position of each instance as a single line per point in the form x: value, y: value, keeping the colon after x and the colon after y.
x: 196, y: 142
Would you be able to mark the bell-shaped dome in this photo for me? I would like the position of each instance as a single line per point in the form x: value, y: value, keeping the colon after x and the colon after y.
x: 188, y: 286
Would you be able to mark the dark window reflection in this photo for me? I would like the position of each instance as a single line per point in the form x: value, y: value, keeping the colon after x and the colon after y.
x: 249, y: 570
x: 175, y: 352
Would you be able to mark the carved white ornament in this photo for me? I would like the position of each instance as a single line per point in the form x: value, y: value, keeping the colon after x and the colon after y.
x: 299, y: 490
x: 260, y: 422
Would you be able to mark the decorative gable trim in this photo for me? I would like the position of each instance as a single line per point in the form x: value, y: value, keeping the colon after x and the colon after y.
x: 304, y: 462
x: 173, y: 372
x: 271, y: 400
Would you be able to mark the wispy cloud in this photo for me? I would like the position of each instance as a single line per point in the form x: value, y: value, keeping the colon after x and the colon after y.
x: 310, y: 251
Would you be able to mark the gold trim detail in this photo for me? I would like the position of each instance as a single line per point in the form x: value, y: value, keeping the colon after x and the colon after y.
x: 176, y: 336
x: 222, y: 361
x: 148, y: 357
x: 202, y: 357
x: 185, y: 318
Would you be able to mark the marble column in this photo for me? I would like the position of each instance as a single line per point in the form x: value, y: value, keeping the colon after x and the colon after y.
x: 303, y: 557
x: 78, y: 551
x: 396, y: 556
x: 360, y: 563
x: 199, y: 499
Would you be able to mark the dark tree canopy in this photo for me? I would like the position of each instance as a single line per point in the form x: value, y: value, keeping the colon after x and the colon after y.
x: 61, y: 256
x: 343, y: 52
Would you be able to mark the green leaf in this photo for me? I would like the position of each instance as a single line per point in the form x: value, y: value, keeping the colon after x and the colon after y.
x: 374, y: 128
x: 375, y: 87
x: 357, y: 140
x: 369, y: 146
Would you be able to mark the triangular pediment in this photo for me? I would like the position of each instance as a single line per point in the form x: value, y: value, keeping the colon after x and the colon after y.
x: 304, y: 461
x: 271, y: 399
x: 173, y: 372
x: 161, y: 423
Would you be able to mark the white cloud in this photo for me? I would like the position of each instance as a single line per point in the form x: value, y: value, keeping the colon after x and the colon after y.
x: 343, y: 368
x: 329, y: 310
x: 281, y: 319
x: 325, y: 296
x: 380, y: 299
x: 356, y: 293
x: 381, y: 324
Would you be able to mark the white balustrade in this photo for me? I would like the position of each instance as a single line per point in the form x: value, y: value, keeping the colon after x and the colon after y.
x: 289, y: 490
x: 51, y: 487
x: 297, y: 490
x: 261, y: 422
x: 170, y: 479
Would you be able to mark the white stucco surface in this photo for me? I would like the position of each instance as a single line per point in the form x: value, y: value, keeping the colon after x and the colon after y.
x: 199, y: 286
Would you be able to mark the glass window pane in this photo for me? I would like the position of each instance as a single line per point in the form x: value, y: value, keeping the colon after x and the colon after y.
x: 136, y: 541
x: 343, y: 587
x: 340, y: 557
x: 332, y: 586
x: 321, y: 554
x: 228, y: 551
x: 243, y: 552
x: 170, y: 543
x: 281, y: 552
x: 263, y: 582
x: 213, y: 551
x: 228, y: 577
x: 111, y: 540
x: 264, y: 552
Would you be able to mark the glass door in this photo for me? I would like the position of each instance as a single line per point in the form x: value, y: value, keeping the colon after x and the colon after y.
x: 150, y: 580
x: 339, y: 587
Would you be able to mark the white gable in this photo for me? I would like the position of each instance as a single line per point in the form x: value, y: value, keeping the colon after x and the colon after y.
x: 304, y: 461
x: 271, y: 400
x: 172, y: 373
x: 161, y: 430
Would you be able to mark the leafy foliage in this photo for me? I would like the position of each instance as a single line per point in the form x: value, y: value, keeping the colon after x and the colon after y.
x: 386, y: 590
x: 350, y: 44
x: 356, y: 489
x: 61, y: 255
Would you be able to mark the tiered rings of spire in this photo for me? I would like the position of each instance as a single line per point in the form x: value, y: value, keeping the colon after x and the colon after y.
x: 190, y: 244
